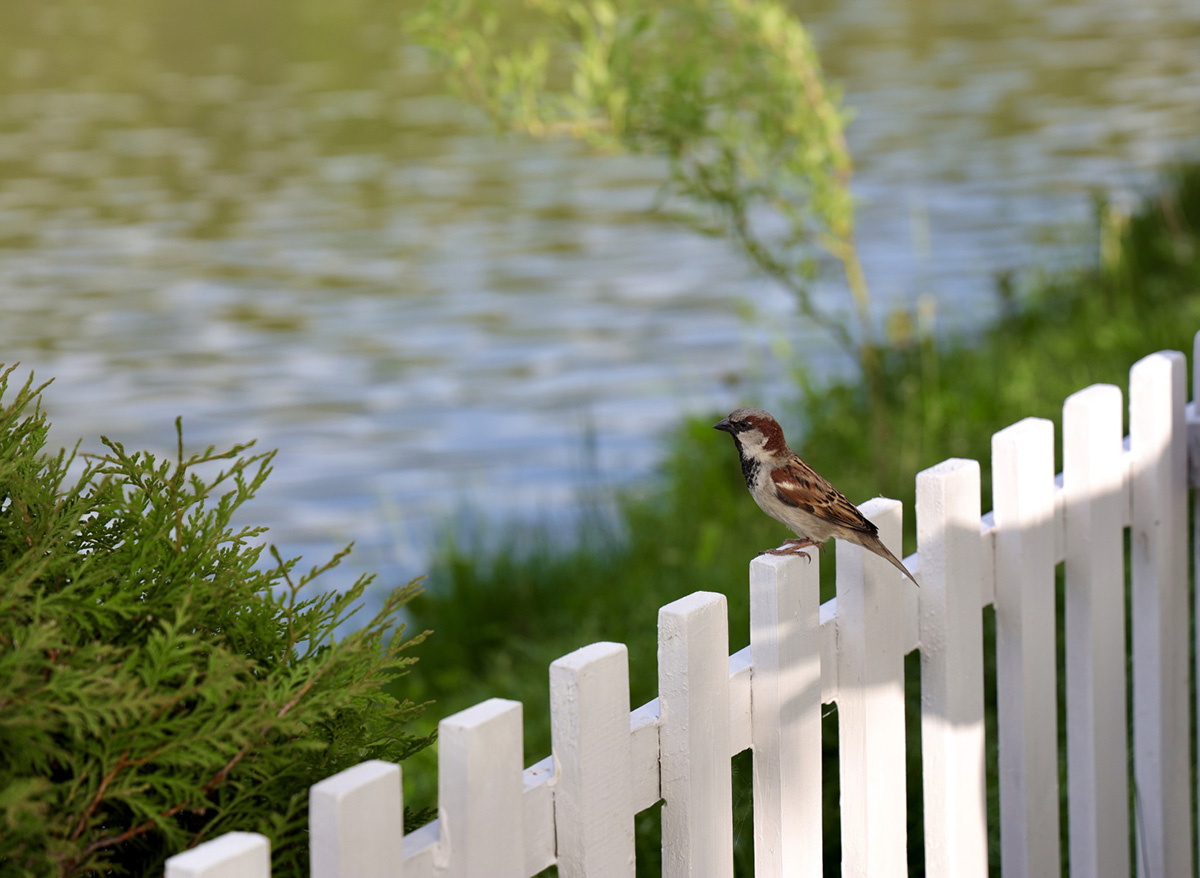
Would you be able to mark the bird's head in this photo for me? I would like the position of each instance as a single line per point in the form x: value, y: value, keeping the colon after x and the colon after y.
x: 756, y: 433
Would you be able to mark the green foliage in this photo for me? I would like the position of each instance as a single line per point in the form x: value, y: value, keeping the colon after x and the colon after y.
x: 696, y: 527
x: 158, y: 685
x: 729, y: 92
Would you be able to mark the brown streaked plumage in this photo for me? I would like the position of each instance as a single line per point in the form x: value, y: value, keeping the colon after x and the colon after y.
x: 793, y: 493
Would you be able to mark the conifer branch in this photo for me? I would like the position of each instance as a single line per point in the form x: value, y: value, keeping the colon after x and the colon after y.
x: 219, y: 778
x: 99, y: 797
x: 216, y: 680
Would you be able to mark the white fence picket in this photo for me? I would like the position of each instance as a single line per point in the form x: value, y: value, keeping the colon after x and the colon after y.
x: 952, y: 728
x: 1192, y: 416
x: 1094, y: 625
x: 1193, y: 436
x: 233, y: 855
x: 356, y: 823
x: 480, y: 792
x: 1027, y: 700
x: 1161, y: 742
x: 871, y: 604
x: 785, y: 702
x: 693, y: 695
x: 593, y: 797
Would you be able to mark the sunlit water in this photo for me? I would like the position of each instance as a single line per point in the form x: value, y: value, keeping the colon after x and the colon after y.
x: 269, y: 219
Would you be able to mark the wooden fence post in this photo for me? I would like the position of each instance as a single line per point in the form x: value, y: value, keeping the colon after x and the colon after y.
x: 1094, y: 607
x: 1193, y: 428
x: 785, y: 706
x: 593, y: 797
x: 1027, y: 700
x: 480, y: 789
x: 871, y: 740
x: 1159, y: 601
x: 232, y: 855
x: 694, y: 735
x: 952, y: 728
x: 356, y: 823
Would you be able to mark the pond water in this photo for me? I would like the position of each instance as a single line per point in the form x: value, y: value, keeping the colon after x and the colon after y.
x: 268, y: 218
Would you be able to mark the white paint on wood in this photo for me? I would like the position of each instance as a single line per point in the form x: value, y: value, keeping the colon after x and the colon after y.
x: 785, y: 648
x: 1023, y: 491
x: 739, y: 701
x: 538, y: 785
x: 693, y: 693
x: 232, y: 855
x: 829, y: 651
x: 987, y: 538
x: 1161, y: 744
x: 643, y: 733
x: 952, y: 728
x: 1094, y: 607
x: 420, y: 846
x: 871, y: 702
x: 1192, y: 418
x: 356, y: 823
x: 1127, y: 518
x: 480, y: 788
x: 1194, y: 463
x: 911, y: 632
x: 589, y: 727
x: 1192, y: 414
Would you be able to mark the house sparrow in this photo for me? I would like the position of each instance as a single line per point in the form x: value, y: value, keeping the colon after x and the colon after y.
x: 791, y: 492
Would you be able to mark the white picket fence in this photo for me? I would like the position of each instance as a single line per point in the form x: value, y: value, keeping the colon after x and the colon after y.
x: 576, y: 808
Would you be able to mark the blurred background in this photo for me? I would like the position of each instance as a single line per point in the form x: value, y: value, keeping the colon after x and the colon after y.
x: 273, y: 220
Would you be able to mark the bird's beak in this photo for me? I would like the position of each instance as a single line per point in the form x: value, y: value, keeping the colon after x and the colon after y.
x: 723, y: 424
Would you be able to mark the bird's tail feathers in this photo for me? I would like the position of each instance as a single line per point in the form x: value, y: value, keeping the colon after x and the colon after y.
x: 876, y: 545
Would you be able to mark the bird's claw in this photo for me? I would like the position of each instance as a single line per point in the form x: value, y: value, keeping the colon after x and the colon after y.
x: 792, y: 547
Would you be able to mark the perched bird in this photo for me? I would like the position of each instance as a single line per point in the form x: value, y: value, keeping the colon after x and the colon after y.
x: 791, y: 492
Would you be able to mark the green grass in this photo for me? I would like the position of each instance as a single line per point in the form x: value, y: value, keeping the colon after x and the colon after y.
x: 501, y: 617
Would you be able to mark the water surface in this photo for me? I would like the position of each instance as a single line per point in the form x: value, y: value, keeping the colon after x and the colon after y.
x: 268, y: 218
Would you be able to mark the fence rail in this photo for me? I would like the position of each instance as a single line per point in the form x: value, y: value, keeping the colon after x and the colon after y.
x: 576, y: 808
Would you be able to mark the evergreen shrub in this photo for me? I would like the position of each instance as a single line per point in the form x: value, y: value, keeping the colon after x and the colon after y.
x: 161, y: 680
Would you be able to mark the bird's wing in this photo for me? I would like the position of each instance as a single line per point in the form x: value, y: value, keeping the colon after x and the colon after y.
x: 798, y: 484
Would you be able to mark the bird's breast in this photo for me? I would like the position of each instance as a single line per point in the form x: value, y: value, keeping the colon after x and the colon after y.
x: 803, y: 522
